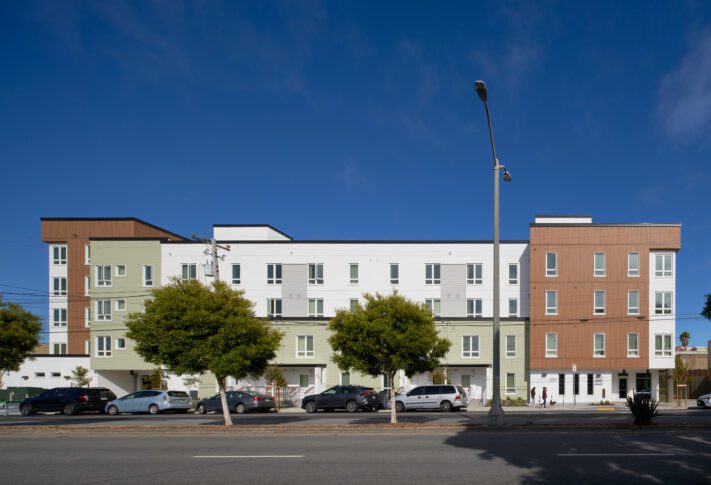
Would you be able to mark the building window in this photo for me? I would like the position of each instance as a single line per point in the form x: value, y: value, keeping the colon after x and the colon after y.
x: 345, y: 378
x: 513, y: 274
x: 305, y: 346
x: 474, y: 274
x: 561, y: 384
x: 236, y: 274
x: 87, y: 254
x: 303, y: 380
x: 599, y: 302
x: 662, y: 265
x: 576, y: 384
x: 466, y: 381
x: 632, y: 345
x: 274, y: 307
x: 315, y: 274
x: 87, y: 285
x: 510, y: 383
x: 510, y: 346
x: 432, y: 274
x: 599, y: 345
x: 59, y: 317
x: 188, y: 271
x: 147, y: 275
x: 103, y: 275
x: 474, y: 308
x: 394, y: 274
x: 87, y: 347
x: 103, y: 310
x: 59, y: 286
x: 59, y: 255
x: 470, y: 346
x: 120, y: 270
x: 663, y: 303
x: 551, y: 264
x: 353, y: 304
x: 632, y: 264
x: 274, y: 274
x: 599, y: 264
x: 386, y: 382
x: 56, y: 374
x: 87, y: 316
x: 39, y: 374
x: 353, y: 272
x: 663, y: 345
x: 315, y: 307
x: 513, y: 307
x: 551, y: 303
x: 103, y: 346
x: 590, y: 384
x: 434, y: 306
x: 120, y: 305
x: 120, y: 343
x: 633, y: 302
x: 551, y: 344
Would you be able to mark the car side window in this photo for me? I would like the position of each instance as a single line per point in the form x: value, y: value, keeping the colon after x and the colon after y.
x: 418, y: 391
x: 129, y: 396
x: 60, y: 392
x: 48, y: 394
x: 431, y: 389
x: 330, y: 392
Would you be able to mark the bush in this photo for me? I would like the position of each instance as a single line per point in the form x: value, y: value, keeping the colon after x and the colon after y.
x: 643, y: 408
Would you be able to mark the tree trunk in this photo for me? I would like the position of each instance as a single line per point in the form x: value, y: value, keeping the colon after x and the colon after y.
x: 393, y: 408
x: 221, y: 381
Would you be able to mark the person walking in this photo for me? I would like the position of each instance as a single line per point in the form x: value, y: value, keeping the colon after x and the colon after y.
x: 544, y: 396
x: 533, y: 397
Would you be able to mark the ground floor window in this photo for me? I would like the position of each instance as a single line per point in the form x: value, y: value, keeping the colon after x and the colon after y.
x: 644, y: 383
x: 304, y: 380
x: 576, y: 384
x: 466, y: 380
x: 345, y: 378
x: 590, y: 384
x: 561, y: 384
x: 510, y: 383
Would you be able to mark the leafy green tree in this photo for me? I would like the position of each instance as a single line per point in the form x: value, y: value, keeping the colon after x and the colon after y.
x: 19, y: 335
x: 157, y: 379
x: 192, y: 329
x: 275, y: 377
x: 386, y: 335
x: 81, y: 377
x: 685, y: 337
x: 706, y: 312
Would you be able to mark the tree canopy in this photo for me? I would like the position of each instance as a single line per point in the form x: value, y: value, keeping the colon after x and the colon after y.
x: 388, y: 334
x: 706, y: 312
x: 19, y: 335
x: 191, y: 329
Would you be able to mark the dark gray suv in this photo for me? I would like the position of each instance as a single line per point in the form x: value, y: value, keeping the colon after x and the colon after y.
x: 350, y: 398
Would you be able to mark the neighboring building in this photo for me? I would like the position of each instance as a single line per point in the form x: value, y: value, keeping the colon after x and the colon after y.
x: 47, y: 371
x: 696, y: 358
x: 602, y: 307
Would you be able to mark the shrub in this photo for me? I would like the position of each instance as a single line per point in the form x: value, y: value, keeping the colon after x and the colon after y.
x: 643, y: 408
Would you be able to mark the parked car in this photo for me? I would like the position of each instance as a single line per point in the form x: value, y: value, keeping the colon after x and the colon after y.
x: 350, y: 398
x: 67, y: 400
x: 446, y: 397
x: 153, y: 402
x: 704, y: 401
x: 237, y: 401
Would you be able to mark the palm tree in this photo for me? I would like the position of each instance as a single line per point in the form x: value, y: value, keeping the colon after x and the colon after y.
x: 684, y: 337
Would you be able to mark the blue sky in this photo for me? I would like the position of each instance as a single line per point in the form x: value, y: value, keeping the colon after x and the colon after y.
x: 356, y: 120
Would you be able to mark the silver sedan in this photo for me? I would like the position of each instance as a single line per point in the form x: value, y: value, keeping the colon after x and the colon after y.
x: 152, y: 402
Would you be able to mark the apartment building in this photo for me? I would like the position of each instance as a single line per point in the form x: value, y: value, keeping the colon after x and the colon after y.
x: 602, y: 307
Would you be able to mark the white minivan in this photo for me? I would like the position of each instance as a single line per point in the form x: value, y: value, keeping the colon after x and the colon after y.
x: 446, y: 397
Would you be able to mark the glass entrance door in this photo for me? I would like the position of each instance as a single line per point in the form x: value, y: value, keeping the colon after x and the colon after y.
x: 623, y: 387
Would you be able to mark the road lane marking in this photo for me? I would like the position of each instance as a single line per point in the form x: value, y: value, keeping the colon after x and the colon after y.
x: 248, y: 456
x: 616, y: 454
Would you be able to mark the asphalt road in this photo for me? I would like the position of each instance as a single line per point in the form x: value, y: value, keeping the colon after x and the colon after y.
x: 586, y: 416
x: 390, y: 456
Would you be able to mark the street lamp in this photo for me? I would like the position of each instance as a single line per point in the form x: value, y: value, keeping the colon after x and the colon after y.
x: 496, y: 413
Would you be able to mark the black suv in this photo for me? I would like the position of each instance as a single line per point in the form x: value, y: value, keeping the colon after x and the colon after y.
x: 350, y: 398
x: 68, y: 400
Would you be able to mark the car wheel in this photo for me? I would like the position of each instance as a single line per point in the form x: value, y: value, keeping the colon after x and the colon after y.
x: 69, y: 409
x: 113, y: 410
x: 310, y: 407
x: 240, y: 408
x: 445, y: 406
x: 201, y: 409
x: 26, y: 410
x: 153, y: 409
x: 399, y: 406
x: 351, y: 406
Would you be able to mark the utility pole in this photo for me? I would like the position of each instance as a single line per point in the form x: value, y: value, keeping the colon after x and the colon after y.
x: 212, y: 251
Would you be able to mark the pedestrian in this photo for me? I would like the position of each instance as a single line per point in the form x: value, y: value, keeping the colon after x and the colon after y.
x: 544, y: 396
x: 533, y: 397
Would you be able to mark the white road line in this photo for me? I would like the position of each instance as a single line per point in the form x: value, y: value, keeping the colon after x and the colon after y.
x: 248, y: 456
x: 616, y: 454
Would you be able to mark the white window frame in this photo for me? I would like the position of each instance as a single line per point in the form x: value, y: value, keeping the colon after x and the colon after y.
x: 87, y: 254
x: 59, y: 349
x: 510, y: 354
x: 435, y: 306
x: 120, y: 343
x: 552, y: 352
x: 87, y: 285
x: 147, y: 282
x: 472, y: 310
x: 660, y: 269
x: 510, y: 389
x: 238, y: 279
x: 274, y: 307
x: 353, y: 303
x: 87, y: 317
x: 317, y: 304
x: 599, y: 352
x: 599, y: 272
x: 118, y: 273
x: 632, y: 352
x: 475, y: 274
x: 471, y: 353
x: 59, y: 286
x: 102, y: 274
x: 351, y: 279
x: 87, y: 347
x: 277, y: 275
x: 103, y: 350
x: 516, y: 278
x: 663, y: 309
x: 632, y: 272
x: 59, y: 317
x: 315, y: 275
x: 396, y: 267
x: 118, y: 305
x: 596, y: 309
x: 435, y: 274
x: 664, y: 349
x: 551, y: 272
x: 304, y: 353
x: 552, y: 309
x: 186, y: 270
x: 59, y: 258
x: 101, y: 314
x: 632, y: 310
x: 518, y: 309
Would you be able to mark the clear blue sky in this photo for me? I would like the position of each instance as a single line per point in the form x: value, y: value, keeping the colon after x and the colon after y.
x: 355, y: 120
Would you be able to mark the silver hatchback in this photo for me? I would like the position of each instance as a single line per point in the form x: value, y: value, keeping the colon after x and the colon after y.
x: 446, y: 397
x: 152, y: 402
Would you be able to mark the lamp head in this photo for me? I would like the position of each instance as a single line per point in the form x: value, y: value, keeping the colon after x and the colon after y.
x: 480, y: 88
x: 507, y: 176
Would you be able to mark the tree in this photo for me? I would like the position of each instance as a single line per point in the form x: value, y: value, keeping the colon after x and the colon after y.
x: 157, y: 379
x: 685, y: 337
x: 389, y: 334
x: 19, y: 335
x: 275, y: 377
x: 192, y: 329
x: 81, y: 377
x: 706, y: 312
